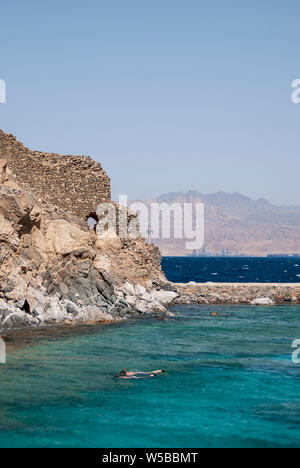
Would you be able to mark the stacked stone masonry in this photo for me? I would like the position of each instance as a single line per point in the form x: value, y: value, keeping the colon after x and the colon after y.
x: 76, y: 184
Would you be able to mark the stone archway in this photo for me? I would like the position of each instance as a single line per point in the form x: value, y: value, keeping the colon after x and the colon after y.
x: 92, y: 221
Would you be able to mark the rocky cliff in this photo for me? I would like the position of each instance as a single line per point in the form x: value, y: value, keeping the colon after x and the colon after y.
x: 53, y: 268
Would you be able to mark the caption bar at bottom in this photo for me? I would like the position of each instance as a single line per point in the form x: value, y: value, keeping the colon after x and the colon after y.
x: 134, y: 457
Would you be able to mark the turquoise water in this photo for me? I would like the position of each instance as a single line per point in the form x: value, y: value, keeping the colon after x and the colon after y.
x: 230, y: 383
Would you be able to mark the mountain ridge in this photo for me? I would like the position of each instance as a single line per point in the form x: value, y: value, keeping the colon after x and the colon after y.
x: 237, y: 223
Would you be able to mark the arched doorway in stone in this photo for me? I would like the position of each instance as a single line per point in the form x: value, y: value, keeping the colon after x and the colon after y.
x: 92, y: 221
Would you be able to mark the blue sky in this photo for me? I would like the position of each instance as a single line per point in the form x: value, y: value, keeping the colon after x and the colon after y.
x: 168, y: 95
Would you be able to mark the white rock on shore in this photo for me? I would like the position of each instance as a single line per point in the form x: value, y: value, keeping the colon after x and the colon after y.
x: 147, y: 302
x: 164, y: 297
x: 264, y: 301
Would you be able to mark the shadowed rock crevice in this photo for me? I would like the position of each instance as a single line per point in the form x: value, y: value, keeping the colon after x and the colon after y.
x: 26, y: 225
x: 26, y: 307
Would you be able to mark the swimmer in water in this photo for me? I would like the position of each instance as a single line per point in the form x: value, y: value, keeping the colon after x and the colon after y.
x: 124, y: 377
x: 125, y: 373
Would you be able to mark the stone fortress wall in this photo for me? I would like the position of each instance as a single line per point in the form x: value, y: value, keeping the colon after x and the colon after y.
x: 76, y: 184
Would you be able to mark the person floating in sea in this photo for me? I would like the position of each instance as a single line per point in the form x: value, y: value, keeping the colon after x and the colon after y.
x: 125, y: 374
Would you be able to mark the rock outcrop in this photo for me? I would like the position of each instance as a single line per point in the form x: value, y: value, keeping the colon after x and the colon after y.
x: 53, y: 268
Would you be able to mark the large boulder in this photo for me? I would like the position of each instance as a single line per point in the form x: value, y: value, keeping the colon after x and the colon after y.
x: 164, y: 297
x: 64, y: 238
x: 108, y: 239
x: 263, y: 301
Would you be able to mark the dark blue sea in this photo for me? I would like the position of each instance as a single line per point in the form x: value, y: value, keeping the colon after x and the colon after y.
x: 232, y: 269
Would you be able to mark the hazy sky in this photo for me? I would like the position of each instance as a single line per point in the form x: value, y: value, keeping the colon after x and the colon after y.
x: 168, y: 95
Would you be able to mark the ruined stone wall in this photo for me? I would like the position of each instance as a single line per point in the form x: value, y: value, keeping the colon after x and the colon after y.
x: 76, y: 184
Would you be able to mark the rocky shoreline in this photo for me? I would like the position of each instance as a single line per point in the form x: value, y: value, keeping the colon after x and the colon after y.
x: 131, y: 301
x: 109, y: 304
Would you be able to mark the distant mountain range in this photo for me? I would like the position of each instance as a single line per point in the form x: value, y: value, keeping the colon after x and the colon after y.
x: 235, y: 224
